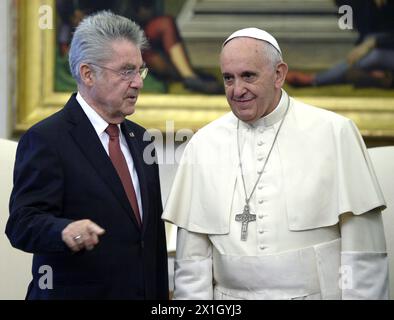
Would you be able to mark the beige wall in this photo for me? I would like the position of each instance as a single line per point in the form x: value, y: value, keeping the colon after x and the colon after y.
x: 383, y: 160
x: 14, y: 264
x: 4, y: 68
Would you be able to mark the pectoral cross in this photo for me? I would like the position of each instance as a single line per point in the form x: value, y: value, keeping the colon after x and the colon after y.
x: 245, y: 218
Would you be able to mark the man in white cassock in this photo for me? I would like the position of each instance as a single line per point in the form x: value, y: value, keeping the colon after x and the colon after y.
x: 276, y: 199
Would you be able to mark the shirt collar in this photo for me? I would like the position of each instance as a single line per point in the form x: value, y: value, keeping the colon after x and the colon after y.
x: 99, y: 124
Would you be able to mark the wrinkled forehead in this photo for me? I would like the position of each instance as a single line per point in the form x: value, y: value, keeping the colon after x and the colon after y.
x: 243, y: 47
x: 242, y: 55
x: 123, y: 50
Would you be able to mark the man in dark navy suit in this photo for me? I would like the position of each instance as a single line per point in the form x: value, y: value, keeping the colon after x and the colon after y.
x: 84, y: 201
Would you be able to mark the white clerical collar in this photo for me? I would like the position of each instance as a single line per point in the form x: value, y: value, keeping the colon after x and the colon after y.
x: 270, y: 119
x: 99, y: 124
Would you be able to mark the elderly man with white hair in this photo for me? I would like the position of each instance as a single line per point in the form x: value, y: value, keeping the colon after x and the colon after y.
x: 276, y: 199
x: 84, y: 201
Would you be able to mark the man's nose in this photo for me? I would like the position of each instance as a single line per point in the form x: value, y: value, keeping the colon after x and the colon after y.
x: 239, y: 88
x: 137, y: 82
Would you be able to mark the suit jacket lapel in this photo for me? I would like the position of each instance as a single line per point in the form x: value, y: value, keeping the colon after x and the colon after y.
x: 86, y: 138
x: 136, y: 149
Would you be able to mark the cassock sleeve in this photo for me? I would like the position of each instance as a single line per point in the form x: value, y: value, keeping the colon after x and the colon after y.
x: 193, y: 266
x: 364, y: 261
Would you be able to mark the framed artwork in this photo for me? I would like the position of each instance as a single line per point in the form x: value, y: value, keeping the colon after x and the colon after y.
x: 39, y: 95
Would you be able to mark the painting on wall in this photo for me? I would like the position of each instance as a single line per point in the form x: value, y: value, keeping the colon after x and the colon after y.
x: 166, y: 57
x: 175, y: 90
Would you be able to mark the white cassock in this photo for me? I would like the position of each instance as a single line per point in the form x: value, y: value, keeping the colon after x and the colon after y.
x: 318, y: 232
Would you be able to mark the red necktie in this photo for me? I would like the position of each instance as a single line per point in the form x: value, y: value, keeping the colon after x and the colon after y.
x: 120, y: 164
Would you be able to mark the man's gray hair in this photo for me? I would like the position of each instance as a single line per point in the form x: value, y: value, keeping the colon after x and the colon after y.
x: 272, y: 54
x: 92, y: 38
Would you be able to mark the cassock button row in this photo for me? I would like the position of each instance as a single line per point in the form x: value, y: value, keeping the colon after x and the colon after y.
x: 259, y: 171
x: 260, y: 143
x: 260, y: 186
x: 261, y: 216
x: 260, y: 158
x: 261, y: 231
x: 261, y: 130
x: 261, y: 201
x: 262, y: 247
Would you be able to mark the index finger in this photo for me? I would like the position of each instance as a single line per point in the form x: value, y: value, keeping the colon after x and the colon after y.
x: 94, y: 228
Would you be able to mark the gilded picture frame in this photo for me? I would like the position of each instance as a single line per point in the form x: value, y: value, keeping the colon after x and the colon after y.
x: 36, y: 98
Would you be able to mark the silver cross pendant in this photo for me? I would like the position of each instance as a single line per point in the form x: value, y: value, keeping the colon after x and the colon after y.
x: 245, y: 218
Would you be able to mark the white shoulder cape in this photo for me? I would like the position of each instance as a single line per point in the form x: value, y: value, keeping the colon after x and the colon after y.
x: 327, y: 172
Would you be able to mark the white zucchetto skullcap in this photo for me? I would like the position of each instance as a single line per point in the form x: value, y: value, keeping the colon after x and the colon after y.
x: 254, y: 33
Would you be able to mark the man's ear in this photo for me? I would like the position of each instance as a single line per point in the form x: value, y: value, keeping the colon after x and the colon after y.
x: 280, y: 74
x: 87, y: 75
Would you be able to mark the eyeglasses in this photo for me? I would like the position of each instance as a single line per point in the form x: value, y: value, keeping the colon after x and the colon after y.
x: 128, y: 74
